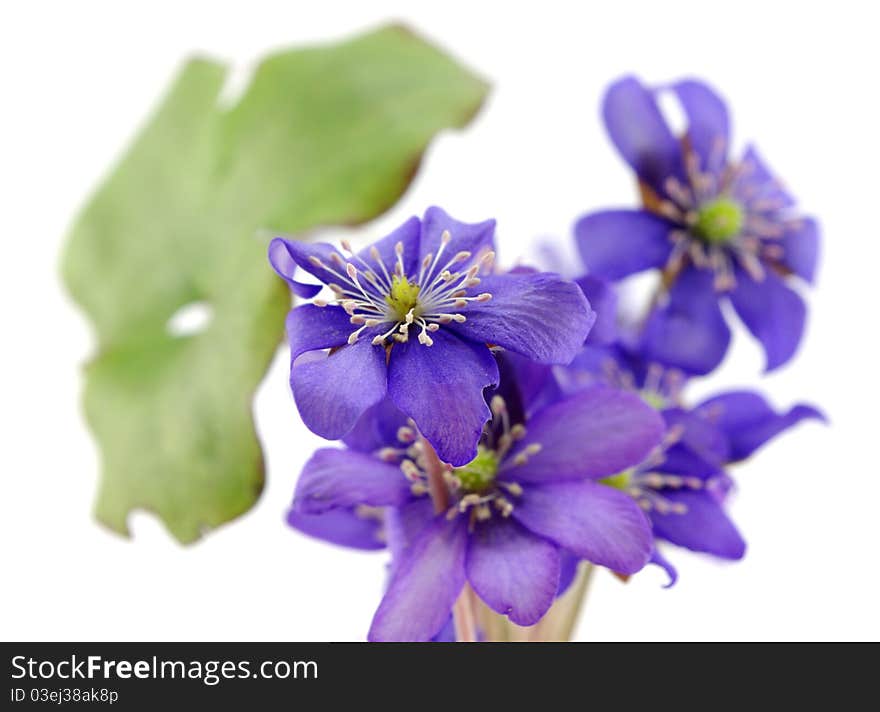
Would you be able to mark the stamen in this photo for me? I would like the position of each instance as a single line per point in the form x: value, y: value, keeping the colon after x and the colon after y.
x: 515, y: 489
x: 388, y: 454
x: 410, y: 471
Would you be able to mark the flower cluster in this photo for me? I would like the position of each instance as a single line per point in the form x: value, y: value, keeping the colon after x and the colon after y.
x: 504, y: 433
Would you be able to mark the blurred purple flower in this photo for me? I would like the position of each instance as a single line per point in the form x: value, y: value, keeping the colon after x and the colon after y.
x: 422, y: 281
x: 683, y: 484
x: 518, y: 516
x: 718, y: 228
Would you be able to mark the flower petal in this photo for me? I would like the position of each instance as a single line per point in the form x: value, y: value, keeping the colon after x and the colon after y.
x: 800, y: 245
x: 345, y: 527
x: 515, y: 572
x: 749, y: 421
x: 441, y: 388
x: 701, y: 449
x: 424, y: 585
x: 376, y: 428
x: 475, y: 238
x: 659, y: 560
x: 595, y: 433
x: 708, y: 129
x: 568, y: 568
x: 602, y: 297
x: 310, y: 328
x: 404, y: 524
x: 333, y: 390
x: 756, y: 182
x: 637, y: 127
x: 593, y: 521
x: 525, y: 386
x: 774, y: 313
x: 704, y: 527
x: 447, y: 632
x: 408, y: 235
x: 593, y: 365
x: 286, y: 255
x: 689, y: 331
x: 344, y: 478
x: 617, y: 243
x: 540, y: 315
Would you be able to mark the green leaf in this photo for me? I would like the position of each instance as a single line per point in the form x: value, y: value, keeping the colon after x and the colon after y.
x: 329, y: 135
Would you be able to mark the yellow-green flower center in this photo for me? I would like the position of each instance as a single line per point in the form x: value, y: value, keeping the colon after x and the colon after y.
x: 479, y: 474
x: 719, y: 220
x: 403, y: 297
x: 653, y: 399
x: 620, y: 481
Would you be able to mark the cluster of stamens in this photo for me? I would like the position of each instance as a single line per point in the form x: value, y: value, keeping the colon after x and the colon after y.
x: 646, y: 485
x: 725, y: 219
x: 662, y: 387
x: 375, y: 296
x: 473, y: 489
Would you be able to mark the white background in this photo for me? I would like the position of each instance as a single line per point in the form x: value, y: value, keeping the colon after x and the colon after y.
x: 78, y: 78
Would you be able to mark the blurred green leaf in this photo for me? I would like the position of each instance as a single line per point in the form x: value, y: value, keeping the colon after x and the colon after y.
x: 330, y: 135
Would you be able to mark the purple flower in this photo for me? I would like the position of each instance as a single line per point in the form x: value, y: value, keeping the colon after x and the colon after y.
x: 515, y: 517
x: 718, y: 228
x: 412, y: 318
x: 682, y: 486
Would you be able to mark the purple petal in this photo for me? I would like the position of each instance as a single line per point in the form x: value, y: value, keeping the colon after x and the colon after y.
x: 593, y: 521
x: 332, y: 391
x: 800, y: 246
x: 568, y: 568
x: 708, y: 129
x: 424, y: 586
x: 689, y: 331
x: 756, y: 182
x: 704, y: 527
x: 441, y: 388
x: 310, y: 328
x: 353, y: 527
x: 408, y: 235
x: 603, y: 299
x: 617, y: 243
x: 286, y: 255
x: 749, y: 421
x: 344, y: 478
x: 525, y: 386
x: 702, y: 448
x: 659, y: 560
x: 593, y: 365
x: 447, y: 632
x: 540, y: 316
x: 515, y: 572
x: 596, y: 433
x: 376, y: 428
x: 475, y: 238
x: 639, y: 131
x: 774, y: 313
x: 404, y: 524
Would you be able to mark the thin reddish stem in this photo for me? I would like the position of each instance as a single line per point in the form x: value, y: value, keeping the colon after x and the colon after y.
x: 463, y: 609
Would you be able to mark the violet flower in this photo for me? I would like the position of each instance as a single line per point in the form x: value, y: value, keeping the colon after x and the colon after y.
x: 412, y: 318
x: 514, y: 518
x: 683, y: 485
x: 717, y: 228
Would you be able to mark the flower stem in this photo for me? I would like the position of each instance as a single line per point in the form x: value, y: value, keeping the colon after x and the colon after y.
x: 463, y: 617
x: 463, y: 609
x: 573, y: 600
x: 436, y: 481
